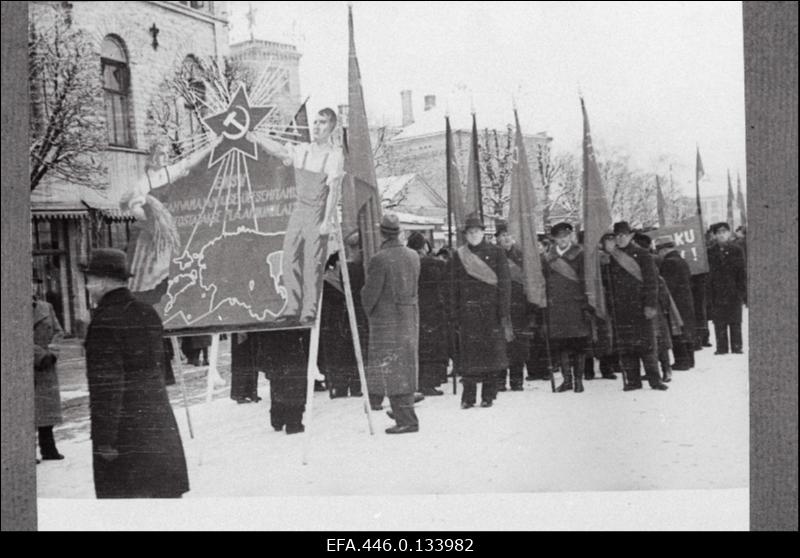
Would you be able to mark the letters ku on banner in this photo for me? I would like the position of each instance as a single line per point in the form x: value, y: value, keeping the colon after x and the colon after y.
x: 689, y: 242
x: 237, y: 223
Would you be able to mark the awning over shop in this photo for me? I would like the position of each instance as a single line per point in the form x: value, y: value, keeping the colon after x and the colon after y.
x: 60, y: 214
x: 71, y: 201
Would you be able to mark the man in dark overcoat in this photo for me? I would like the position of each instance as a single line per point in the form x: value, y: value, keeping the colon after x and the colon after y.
x: 569, y: 327
x: 634, y: 287
x: 726, y: 289
x: 390, y: 298
x: 678, y: 276
x: 337, y: 359
x: 136, y: 446
x: 481, y: 302
x: 521, y: 312
x: 434, y: 349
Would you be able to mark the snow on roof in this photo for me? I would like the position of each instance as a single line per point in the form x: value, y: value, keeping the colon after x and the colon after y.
x: 410, y: 218
x: 391, y: 186
x: 431, y: 122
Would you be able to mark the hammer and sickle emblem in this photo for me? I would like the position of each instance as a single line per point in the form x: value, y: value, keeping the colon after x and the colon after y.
x: 231, y: 121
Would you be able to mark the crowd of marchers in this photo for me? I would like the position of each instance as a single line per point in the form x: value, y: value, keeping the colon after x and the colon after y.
x: 421, y: 320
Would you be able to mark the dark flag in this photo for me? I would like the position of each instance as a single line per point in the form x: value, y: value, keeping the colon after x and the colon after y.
x: 361, y: 207
x: 298, y: 128
x: 699, y: 174
x: 522, y: 222
x: 455, y: 200
x: 661, y: 207
x: 740, y: 200
x: 596, y: 221
x: 729, y: 214
x: 474, y: 198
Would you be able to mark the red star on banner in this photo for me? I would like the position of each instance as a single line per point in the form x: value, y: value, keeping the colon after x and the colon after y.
x: 233, y: 124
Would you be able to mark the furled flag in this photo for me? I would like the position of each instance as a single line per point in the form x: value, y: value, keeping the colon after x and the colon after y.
x: 596, y: 221
x: 699, y: 174
x: 522, y: 222
x: 729, y: 215
x: 361, y: 207
x: 740, y: 200
x: 455, y: 200
x: 662, y: 219
x: 473, y: 201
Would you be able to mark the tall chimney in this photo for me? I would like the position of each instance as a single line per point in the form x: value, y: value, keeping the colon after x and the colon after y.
x: 408, y: 109
x: 430, y: 102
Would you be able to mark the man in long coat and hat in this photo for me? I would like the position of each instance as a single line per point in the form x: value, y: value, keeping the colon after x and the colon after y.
x: 136, y: 447
x: 726, y: 289
x: 482, y: 311
x: 390, y: 298
x: 568, y: 326
x: 634, y: 287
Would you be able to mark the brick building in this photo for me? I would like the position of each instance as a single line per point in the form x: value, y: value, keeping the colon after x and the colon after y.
x: 137, y: 45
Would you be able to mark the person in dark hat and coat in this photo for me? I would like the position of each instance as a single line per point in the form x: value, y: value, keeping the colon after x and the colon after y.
x: 726, y: 289
x: 634, y: 286
x: 434, y: 350
x: 337, y: 359
x: 668, y: 321
x: 136, y: 446
x: 678, y: 276
x: 521, y: 312
x: 47, y: 333
x: 390, y: 298
x: 482, y: 312
x: 569, y: 327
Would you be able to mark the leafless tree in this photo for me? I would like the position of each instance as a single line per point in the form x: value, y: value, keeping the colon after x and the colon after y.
x: 496, y: 158
x: 67, y: 133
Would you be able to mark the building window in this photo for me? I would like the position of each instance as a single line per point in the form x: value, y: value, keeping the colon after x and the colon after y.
x: 116, y: 87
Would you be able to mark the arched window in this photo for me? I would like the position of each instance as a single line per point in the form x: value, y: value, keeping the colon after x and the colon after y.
x: 116, y: 87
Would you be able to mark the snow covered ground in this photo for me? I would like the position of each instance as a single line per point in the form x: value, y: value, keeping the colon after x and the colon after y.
x: 693, y: 437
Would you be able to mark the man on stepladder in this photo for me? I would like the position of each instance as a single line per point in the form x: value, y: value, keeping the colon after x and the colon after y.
x: 305, y: 242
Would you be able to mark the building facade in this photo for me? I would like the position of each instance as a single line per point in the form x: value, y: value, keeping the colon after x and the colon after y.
x: 138, y: 45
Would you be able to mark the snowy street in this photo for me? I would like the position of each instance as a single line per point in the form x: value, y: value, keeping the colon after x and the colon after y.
x: 694, y: 436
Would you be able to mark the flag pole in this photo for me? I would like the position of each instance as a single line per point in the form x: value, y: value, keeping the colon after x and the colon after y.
x: 448, y: 155
x: 311, y: 369
x: 179, y: 368
x: 477, y: 168
x: 351, y: 314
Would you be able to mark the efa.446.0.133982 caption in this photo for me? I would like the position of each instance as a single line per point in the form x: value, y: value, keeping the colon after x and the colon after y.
x: 399, y: 545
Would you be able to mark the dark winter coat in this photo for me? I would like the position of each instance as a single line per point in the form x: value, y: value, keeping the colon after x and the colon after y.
x: 726, y: 286
x: 480, y: 310
x: 390, y: 298
x: 633, y: 332
x: 664, y: 325
x: 433, y: 292
x: 46, y: 331
x: 283, y: 355
x: 566, y: 299
x: 128, y: 401
x: 337, y: 360
x: 676, y: 273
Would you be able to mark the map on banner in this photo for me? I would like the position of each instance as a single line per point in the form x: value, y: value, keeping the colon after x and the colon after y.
x: 689, y: 242
x: 223, y: 243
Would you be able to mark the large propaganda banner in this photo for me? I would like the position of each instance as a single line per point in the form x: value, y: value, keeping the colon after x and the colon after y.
x: 689, y: 241
x: 222, y: 244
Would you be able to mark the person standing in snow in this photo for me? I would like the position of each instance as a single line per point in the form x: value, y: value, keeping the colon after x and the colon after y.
x: 390, y: 298
x: 482, y: 312
x: 136, y: 446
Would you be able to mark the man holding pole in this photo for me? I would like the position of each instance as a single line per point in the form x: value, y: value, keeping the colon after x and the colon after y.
x: 482, y: 298
x: 136, y: 447
x: 392, y: 308
x: 634, y: 287
x: 569, y: 327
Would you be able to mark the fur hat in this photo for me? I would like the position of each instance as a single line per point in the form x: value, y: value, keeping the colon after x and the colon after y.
x: 416, y: 241
x: 107, y: 262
